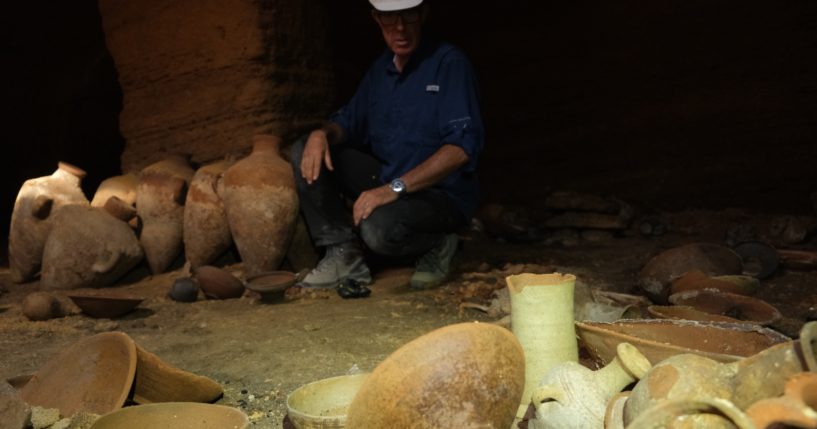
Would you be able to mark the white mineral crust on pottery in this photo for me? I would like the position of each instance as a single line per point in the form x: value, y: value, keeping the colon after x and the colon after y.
x: 37, y: 202
x: 542, y: 321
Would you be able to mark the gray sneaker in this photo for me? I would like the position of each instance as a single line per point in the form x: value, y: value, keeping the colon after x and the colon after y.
x: 433, y: 268
x: 341, y: 262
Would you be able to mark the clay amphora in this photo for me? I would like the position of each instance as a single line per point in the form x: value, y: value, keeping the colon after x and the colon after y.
x: 261, y: 205
x: 206, y: 231
x: 87, y: 247
x: 573, y: 396
x: 797, y: 407
x: 465, y: 376
x: 38, y: 200
x: 693, y: 413
x: 122, y: 187
x: 542, y: 320
x: 743, y: 382
x: 160, y: 204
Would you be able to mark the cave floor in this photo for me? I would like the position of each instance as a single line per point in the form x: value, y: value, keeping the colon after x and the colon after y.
x: 261, y: 351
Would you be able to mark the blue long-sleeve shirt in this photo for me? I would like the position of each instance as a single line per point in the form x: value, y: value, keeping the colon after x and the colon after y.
x: 405, y: 117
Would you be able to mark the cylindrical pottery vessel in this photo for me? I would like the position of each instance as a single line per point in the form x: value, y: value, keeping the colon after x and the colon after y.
x: 797, y: 407
x: 38, y: 200
x: 693, y: 413
x: 160, y: 204
x: 542, y: 320
x: 261, y: 205
x: 465, y: 376
x: 573, y: 396
x: 122, y: 187
x: 206, y: 231
x: 87, y: 247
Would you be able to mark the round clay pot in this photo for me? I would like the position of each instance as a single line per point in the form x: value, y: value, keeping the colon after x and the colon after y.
x: 88, y: 248
x: 711, y: 259
x: 692, y: 413
x: 262, y: 205
x: 218, y: 283
x: 797, y: 407
x: 184, y: 289
x: 41, y: 306
x: 454, y: 377
x: 160, y: 200
x: 122, y: 187
x: 206, y: 231
x: 38, y: 200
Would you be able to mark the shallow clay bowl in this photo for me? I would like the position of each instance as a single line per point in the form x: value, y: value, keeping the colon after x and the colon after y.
x: 94, y: 374
x: 107, y: 306
x: 659, y: 339
x: 271, y: 284
x: 323, y: 403
x: 174, y: 415
x: 218, y: 283
x: 685, y: 312
x: 744, y: 308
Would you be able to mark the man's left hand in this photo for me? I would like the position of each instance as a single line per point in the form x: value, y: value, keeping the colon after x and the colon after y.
x: 369, y: 200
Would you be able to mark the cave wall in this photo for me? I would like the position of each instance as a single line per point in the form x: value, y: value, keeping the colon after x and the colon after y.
x: 201, y: 77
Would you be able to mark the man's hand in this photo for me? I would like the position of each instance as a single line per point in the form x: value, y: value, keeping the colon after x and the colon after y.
x: 369, y: 200
x: 316, y: 152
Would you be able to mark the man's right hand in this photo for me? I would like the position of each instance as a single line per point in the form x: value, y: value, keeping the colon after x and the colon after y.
x: 316, y: 152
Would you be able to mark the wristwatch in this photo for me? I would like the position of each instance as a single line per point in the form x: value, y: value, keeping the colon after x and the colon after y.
x: 398, y: 186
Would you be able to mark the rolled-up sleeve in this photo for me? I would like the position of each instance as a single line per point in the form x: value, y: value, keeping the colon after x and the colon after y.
x: 460, y: 119
x: 353, y: 116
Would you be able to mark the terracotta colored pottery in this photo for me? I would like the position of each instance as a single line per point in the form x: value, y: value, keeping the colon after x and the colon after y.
x: 271, y: 284
x: 206, y: 231
x: 105, y: 305
x: 693, y: 413
x: 323, y: 404
x: 87, y: 247
x: 122, y: 187
x: 797, y: 407
x: 261, y: 205
x: 467, y: 375
x: 697, y: 280
x: 744, y: 308
x: 184, y: 289
x: 218, y: 283
x: 120, y: 210
x: 160, y: 200
x: 659, y: 339
x: 760, y: 259
x: 158, y: 381
x: 542, y: 320
x: 95, y: 375
x: 573, y: 396
x: 685, y: 312
x: 38, y: 200
x: 711, y: 259
x: 174, y: 415
x: 15, y: 412
x: 41, y: 306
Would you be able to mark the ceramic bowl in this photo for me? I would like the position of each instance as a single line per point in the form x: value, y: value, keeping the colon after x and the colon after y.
x: 218, y: 283
x: 271, y: 284
x: 323, y: 404
x: 103, y: 305
x: 174, y: 415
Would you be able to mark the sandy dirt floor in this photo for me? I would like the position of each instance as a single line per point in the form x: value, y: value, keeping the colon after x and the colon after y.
x: 261, y: 351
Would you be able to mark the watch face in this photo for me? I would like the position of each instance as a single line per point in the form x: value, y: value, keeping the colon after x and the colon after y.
x: 398, y: 186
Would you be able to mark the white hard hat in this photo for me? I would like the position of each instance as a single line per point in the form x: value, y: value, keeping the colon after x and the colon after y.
x: 390, y: 5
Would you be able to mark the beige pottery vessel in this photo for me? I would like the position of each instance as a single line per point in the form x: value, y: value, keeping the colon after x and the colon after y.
x: 797, y: 406
x: 571, y: 396
x: 261, y: 205
x: 206, y: 230
x: 743, y: 382
x: 465, y: 376
x: 122, y: 187
x: 87, y: 247
x: 542, y: 320
x: 160, y: 204
x: 693, y: 413
x: 37, y: 202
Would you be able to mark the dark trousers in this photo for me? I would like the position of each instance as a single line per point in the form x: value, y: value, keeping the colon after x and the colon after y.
x: 410, y: 226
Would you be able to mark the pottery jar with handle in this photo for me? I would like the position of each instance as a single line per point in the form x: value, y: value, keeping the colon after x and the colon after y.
x: 206, y: 231
x: 261, y: 205
x: 37, y: 201
x: 160, y: 200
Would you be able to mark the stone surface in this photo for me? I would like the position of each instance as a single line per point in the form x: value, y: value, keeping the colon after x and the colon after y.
x: 203, y: 77
x: 14, y: 412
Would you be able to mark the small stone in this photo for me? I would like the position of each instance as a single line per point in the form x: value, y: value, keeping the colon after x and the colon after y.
x: 62, y: 424
x: 44, y: 417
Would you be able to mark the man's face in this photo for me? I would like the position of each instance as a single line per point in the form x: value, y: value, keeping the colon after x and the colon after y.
x: 401, y: 29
